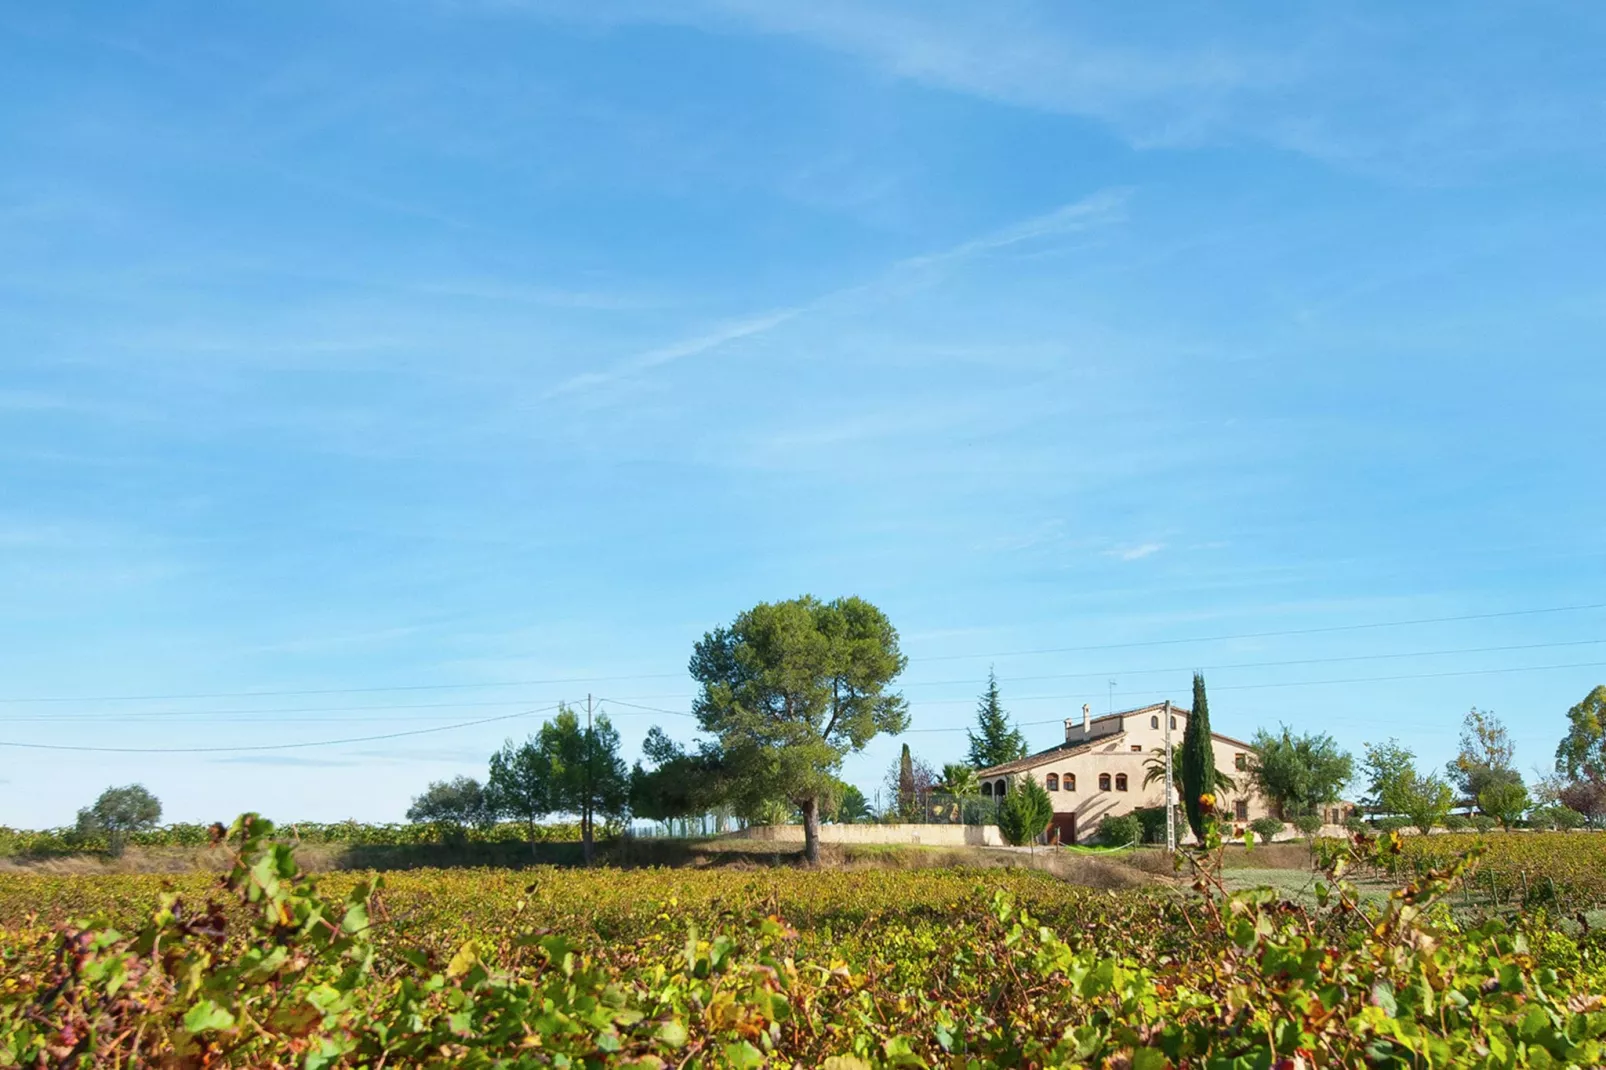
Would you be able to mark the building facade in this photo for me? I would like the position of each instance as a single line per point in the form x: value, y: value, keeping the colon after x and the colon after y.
x: 1099, y: 771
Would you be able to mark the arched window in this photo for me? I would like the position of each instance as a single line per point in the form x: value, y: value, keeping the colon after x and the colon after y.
x: 1104, y: 782
x: 987, y: 788
x: 1173, y: 722
x: 1120, y: 782
x: 1154, y: 722
x: 1053, y: 782
x: 1070, y: 781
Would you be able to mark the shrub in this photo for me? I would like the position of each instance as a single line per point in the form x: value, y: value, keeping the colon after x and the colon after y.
x: 1265, y: 828
x: 1121, y: 831
x: 1354, y: 825
x: 1153, y: 821
x: 1308, y: 824
x: 1025, y: 812
x: 1457, y: 823
x: 1391, y: 824
x: 1555, y: 817
x: 1483, y: 822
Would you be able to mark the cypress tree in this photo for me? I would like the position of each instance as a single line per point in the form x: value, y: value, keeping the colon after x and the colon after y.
x: 995, y: 740
x: 906, y: 782
x: 1198, y: 758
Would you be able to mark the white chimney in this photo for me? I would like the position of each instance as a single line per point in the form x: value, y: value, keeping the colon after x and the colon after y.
x: 1087, y: 720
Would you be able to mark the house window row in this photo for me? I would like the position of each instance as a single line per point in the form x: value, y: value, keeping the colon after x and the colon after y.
x: 1056, y: 782
x: 1154, y: 722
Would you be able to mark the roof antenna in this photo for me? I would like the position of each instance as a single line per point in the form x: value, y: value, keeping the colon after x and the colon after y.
x: 1112, y: 696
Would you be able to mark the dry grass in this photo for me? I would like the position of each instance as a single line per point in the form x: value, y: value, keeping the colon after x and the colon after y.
x: 1085, y: 870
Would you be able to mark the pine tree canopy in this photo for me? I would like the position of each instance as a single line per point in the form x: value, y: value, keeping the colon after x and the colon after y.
x: 995, y: 741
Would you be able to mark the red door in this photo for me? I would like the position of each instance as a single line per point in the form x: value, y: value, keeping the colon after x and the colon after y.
x: 1062, y: 829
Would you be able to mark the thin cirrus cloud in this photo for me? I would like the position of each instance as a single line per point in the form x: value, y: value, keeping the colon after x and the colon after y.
x: 1135, y: 553
x: 1103, y: 208
x: 1405, y: 94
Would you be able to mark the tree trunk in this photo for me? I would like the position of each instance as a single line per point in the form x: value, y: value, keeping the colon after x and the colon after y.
x: 811, y: 830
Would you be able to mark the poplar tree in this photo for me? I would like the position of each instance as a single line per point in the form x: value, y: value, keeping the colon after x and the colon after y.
x: 995, y: 740
x: 1198, y: 759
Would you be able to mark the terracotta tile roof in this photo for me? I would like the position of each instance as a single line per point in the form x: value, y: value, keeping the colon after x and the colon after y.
x: 1032, y: 761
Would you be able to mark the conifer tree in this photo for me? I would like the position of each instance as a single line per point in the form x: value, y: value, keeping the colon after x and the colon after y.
x: 906, y: 782
x: 995, y: 740
x: 1198, y: 758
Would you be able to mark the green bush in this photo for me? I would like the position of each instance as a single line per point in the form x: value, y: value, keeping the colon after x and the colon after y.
x: 1484, y: 823
x: 1025, y: 812
x: 1457, y: 823
x: 1121, y: 831
x: 1153, y: 820
x: 1354, y: 825
x: 1308, y: 824
x: 1265, y: 828
x: 1391, y: 824
x: 1555, y: 817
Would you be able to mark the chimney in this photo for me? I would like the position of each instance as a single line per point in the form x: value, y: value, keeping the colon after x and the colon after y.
x: 1087, y: 720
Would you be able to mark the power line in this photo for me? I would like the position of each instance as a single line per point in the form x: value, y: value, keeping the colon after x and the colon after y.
x: 274, y: 746
x: 944, y: 657
x: 1265, y: 664
x: 1288, y: 683
x: 650, y: 709
x: 1266, y: 635
x: 249, y: 713
x: 344, y: 690
x: 246, y: 714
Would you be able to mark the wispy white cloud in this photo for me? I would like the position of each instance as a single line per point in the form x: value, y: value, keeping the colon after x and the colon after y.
x: 1135, y: 553
x: 1102, y: 208
x: 690, y: 347
x: 1402, y: 93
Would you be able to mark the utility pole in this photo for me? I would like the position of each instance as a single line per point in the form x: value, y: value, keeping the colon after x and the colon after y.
x: 585, y: 813
x: 1170, y: 807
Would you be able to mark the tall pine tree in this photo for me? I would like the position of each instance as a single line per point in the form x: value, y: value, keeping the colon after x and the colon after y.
x: 1198, y: 758
x: 995, y: 740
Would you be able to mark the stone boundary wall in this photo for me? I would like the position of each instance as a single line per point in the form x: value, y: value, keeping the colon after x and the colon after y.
x: 925, y: 835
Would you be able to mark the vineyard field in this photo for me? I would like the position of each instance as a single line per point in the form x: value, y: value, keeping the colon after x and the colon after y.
x: 1560, y: 871
x: 68, y: 841
x: 954, y: 968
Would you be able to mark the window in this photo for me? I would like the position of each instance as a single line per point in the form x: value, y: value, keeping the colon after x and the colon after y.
x: 1240, y: 761
x: 1104, y: 782
x: 998, y: 788
x: 987, y: 788
x: 1070, y: 781
x: 1173, y: 722
x: 1120, y: 782
x: 1154, y: 722
x: 1053, y: 782
x: 1240, y: 810
x: 1136, y: 749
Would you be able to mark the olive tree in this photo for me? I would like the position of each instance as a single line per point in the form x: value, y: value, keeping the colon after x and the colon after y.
x: 119, y: 811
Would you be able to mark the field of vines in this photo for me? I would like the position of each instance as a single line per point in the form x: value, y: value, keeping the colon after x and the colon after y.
x: 68, y: 841
x: 547, y: 967
x: 1559, y: 871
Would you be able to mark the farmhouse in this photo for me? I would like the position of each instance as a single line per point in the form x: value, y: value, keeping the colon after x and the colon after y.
x: 1099, y: 771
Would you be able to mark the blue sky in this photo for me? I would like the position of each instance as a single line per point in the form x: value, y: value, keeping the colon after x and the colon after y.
x: 356, y: 346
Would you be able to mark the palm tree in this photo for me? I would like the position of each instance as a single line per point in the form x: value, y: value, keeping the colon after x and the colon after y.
x: 959, y: 780
x: 1154, y: 771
